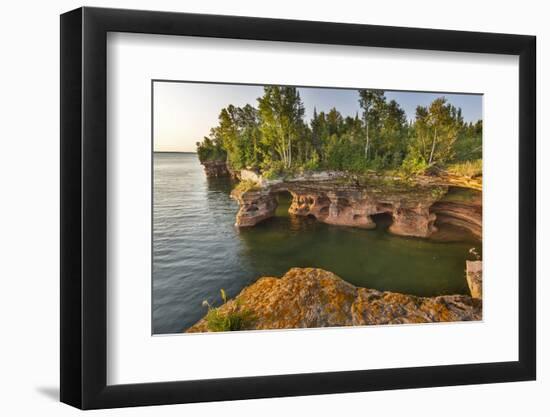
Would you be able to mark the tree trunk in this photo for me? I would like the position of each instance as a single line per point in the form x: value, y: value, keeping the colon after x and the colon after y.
x: 367, y: 143
x: 289, y: 152
x: 433, y: 147
x: 255, y: 150
x: 283, y: 150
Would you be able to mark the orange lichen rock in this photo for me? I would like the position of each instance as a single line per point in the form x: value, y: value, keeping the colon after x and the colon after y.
x: 312, y: 297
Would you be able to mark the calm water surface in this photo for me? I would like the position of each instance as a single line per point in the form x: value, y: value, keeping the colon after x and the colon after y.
x: 197, y: 250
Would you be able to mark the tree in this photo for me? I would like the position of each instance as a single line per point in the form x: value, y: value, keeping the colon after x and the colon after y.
x: 370, y: 101
x: 468, y: 145
x: 281, y: 120
x: 435, y: 131
x: 274, y: 138
x: 335, y: 122
x: 249, y: 134
x: 210, y: 150
x: 392, y: 134
x: 317, y: 125
x: 239, y: 135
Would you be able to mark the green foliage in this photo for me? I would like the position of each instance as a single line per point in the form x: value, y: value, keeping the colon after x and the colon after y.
x: 312, y: 164
x: 238, y: 132
x: 209, y: 150
x: 275, y: 139
x: 274, y: 170
x: 469, y: 169
x: 468, y: 145
x: 282, y: 126
x: 344, y: 154
x: 413, y: 164
x: 247, y: 185
x: 373, y: 103
x: 435, y: 132
x: 224, y: 322
x: 232, y: 320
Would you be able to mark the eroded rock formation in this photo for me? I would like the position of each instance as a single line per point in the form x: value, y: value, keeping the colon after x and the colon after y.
x: 344, y: 203
x: 332, y: 207
x: 460, y: 207
x: 254, y: 206
x: 310, y: 297
x: 413, y: 206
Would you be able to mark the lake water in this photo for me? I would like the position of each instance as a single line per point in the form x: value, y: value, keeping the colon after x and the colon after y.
x: 197, y: 250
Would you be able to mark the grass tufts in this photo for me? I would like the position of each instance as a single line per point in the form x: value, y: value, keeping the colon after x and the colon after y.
x: 469, y: 169
x: 226, y: 321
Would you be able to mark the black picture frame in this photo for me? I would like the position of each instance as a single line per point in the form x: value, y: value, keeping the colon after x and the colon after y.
x: 84, y: 207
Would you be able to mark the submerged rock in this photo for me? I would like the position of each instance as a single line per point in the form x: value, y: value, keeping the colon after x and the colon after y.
x: 311, y: 297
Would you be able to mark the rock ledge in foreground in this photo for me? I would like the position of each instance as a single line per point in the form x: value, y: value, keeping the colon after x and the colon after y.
x: 311, y: 297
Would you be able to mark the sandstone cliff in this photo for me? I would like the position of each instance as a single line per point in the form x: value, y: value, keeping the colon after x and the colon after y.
x: 310, y: 297
x: 414, y: 206
x: 462, y: 208
x: 254, y: 206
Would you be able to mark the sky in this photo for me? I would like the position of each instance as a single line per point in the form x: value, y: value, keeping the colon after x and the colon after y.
x: 184, y: 112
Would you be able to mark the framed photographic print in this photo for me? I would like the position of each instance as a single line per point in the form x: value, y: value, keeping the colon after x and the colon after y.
x: 257, y: 207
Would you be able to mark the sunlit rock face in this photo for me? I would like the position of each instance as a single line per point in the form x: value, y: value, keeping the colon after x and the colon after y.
x: 311, y: 297
x: 346, y: 203
x: 335, y: 208
x: 254, y: 206
x: 474, y: 278
x: 415, y: 207
x: 353, y: 206
x: 415, y: 221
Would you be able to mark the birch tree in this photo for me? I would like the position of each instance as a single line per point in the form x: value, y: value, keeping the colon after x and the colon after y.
x: 370, y: 101
x: 436, y: 130
x: 281, y: 120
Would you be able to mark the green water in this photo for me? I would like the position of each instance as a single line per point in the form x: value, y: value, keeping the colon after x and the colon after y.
x: 365, y: 258
x: 461, y: 195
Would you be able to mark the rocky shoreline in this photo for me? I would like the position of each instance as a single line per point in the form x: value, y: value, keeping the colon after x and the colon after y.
x: 215, y: 169
x: 311, y: 297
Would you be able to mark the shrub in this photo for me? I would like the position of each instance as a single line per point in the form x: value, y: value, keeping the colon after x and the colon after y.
x: 413, y: 165
x: 312, y: 164
x: 378, y: 163
x: 247, y: 185
x: 224, y: 322
x: 275, y: 169
x: 232, y: 320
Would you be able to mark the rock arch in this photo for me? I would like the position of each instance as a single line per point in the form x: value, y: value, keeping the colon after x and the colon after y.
x: 414, y: 209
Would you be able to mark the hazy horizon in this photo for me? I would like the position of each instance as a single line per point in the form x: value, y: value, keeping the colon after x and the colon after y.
x: 184, y: 112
